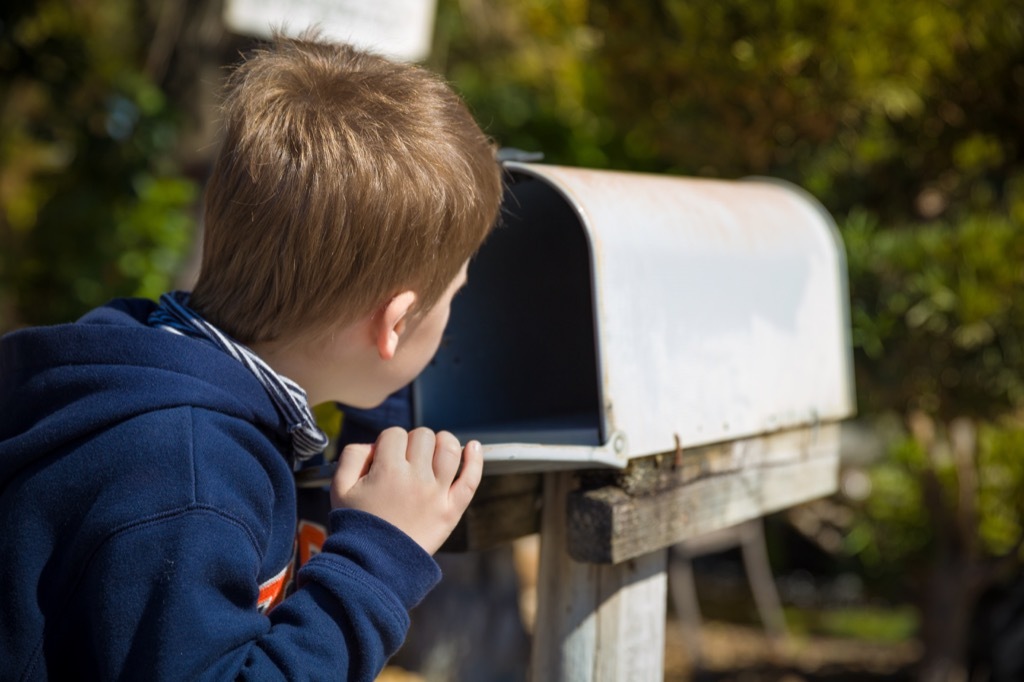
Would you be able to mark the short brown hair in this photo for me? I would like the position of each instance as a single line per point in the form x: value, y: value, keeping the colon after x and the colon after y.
x: 343, y: 179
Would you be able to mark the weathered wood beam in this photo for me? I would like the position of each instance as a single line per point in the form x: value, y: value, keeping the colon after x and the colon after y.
x: 660, y: 501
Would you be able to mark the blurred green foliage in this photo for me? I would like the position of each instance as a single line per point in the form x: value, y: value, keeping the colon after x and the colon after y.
x: 938, y: 326
x: 909, y: 110
x: 938, y: 314
x: 93, y: 204
x: 895, y: 530
x: 880, y: 624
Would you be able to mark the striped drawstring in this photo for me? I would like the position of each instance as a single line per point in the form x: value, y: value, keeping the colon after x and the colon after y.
x: 174, y: 315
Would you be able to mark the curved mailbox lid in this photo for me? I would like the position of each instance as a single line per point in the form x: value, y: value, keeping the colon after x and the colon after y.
x: 721, y: 306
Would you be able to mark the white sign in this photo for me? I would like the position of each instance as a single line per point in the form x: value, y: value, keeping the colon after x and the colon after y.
x: 399, y: 29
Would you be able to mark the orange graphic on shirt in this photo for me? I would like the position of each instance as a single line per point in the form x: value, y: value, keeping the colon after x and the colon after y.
x: 272, y: 592
x: 312, y: 537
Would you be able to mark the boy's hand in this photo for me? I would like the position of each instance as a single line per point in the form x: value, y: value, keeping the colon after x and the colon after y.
x: 409, y: 480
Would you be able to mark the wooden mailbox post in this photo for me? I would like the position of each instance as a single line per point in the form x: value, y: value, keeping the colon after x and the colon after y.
x: 603, y: 581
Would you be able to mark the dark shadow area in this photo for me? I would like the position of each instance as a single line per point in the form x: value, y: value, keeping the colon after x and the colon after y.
x: 518, y: 361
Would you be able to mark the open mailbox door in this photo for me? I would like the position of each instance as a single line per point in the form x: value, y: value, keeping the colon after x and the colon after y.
x: 614, y: 315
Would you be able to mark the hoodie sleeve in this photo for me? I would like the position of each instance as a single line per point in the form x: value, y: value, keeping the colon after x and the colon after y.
x: 156, y: 604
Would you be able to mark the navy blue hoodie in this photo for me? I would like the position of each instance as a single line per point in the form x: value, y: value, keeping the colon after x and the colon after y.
x: 147, y: 521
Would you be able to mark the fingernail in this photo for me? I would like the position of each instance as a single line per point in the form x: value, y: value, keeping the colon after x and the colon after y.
x: 475, y: 444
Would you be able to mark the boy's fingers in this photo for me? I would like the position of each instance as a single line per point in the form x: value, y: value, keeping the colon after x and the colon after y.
x: 420, y: 452
x: 391, y: 446
x: 464, y: 487
x: 352, y: 465
x: 447, y: 457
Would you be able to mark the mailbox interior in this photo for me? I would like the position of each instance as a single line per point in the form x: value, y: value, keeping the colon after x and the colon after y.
x: 519, y: 359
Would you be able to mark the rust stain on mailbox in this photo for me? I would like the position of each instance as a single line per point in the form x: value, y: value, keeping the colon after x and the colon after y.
x: 615, y: 315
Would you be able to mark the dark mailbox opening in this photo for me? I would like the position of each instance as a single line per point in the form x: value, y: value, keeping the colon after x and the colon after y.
x: 518, y: 362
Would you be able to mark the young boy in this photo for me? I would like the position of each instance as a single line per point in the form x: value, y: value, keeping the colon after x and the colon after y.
x: 147, y: 507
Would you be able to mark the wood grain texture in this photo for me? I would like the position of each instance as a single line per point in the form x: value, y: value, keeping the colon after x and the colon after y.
x: 595, y: 623
x: 660, y: 501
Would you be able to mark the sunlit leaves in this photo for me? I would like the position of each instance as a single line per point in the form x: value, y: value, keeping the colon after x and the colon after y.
x: 913, y: 110
x: 896, y: 531
x: 938, y: 312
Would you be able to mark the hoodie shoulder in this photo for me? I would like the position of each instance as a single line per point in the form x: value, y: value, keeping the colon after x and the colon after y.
x: 65, y: 382
x: 121, y: 312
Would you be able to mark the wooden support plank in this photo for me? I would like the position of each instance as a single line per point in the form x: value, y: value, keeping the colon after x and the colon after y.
x: 669, y: 497
x: 661, y: 502
x: 595, y: 623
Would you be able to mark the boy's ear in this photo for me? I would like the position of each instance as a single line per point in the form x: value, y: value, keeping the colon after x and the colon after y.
x: 391, y: 323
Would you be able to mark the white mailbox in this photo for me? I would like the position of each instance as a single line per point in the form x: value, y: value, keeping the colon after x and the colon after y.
x: 614, y: 315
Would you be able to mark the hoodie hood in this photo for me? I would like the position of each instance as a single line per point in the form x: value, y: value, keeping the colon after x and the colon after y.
x: 59, y: 384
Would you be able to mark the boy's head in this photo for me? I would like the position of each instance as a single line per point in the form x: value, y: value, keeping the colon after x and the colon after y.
x: 343, y: 179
